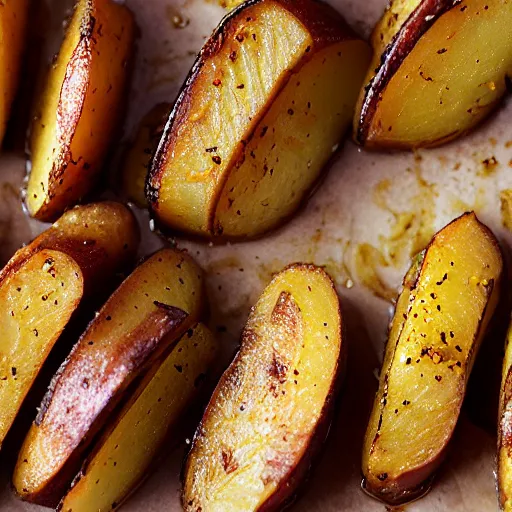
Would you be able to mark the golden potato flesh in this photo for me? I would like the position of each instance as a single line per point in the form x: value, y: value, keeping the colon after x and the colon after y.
x: 129, y: 449
x: 449, y: 296
x: 45, y: 283
x: 265, y: 106
x: 271, y: 407
x: 79, y: 111
x: 444, y: 69
x: 153, y: 307
x: 13, y: 20
x: 505, y: 431
x: 138, y: 156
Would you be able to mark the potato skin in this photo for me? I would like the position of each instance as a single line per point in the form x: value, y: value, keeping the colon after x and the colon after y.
x: 147, y: 426
x: 80, y: 109
x: 170, y: 182
x: 216, y: 452
x: 396, y: 67
x: 145, y: 317
x: 449, y: 297
x: 13, y: 21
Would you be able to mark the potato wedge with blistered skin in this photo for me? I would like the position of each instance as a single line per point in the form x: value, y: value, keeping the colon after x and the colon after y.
x: 13, y: 21
x: 440, y: 67
x: 44, y: 284
x: 146, y: 316
x: 271, y: 408
x: 266, y: 104
x: 449, y: 297
x: 148, y: 423
x: 80, y: 108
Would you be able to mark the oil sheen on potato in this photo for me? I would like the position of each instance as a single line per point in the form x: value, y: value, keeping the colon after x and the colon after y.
x: 449, y: 296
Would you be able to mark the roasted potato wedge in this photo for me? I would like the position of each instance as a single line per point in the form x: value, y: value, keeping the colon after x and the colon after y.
x: 449, y: 296
x: 264, y: 107
x: 271, y: 408
x: 129, y: 448
x: 80, y: 108
x: 13, y: 21
x: 138, y: 156
x: 44, y: 283
x: 148, y: 313
x: 439, y: 68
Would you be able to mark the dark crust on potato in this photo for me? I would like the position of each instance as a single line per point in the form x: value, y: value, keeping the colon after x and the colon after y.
x: 135, y: 354
x: 287, y: 492
x: 402, y: 44
x: 393, y: 496
x: 329, y: 28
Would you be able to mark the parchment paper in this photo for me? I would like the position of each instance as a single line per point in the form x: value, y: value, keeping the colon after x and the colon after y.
x: 364, y: 222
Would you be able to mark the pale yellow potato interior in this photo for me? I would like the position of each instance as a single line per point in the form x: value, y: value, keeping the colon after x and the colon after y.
x: 452, y: 78
x: 129, y: 449
x: 168, y: 277
x: 267, y: 405
x: 293, y: 141
x: 435, y: 336
x: 228, y: 97
x: 13, y: 17
x: 79, y: 109
x: 36, y: 304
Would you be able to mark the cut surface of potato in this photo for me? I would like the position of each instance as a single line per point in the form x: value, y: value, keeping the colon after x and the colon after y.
x: 147, y: 314
x: 13, y: 20
x: 449, y: 296
x: 129, y: 448
x: 138, y: 156
x: 271, y: 407
x: 505, y: 431
x: 264, y: 107
x: 440, y: 67
x: 43, y: 285
x: 80, y: 107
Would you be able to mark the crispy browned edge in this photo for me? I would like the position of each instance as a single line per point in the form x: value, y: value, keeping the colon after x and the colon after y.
x: 175, y: 433
x: 402, y: 44
x: 328, y: 28
x: 504, y: 434
x: 288, y: 491
x: 140, y: 359
x: 82, y: 50
x: 396, y: 496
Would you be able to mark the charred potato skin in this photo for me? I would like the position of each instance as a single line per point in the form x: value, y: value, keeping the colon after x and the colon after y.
x: 329, y: 28
x: 415, y: 484
x: 289, y: 489
x: 102, y: 390
x: 73, y: 172
x: 421, y: 19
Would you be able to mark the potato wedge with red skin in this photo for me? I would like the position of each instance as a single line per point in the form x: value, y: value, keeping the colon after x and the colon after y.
x: 449, y: 297
x: 44, y: 285
x: 13, y: 21
x: 146, y: 316
x: 80, y: 109
x: 147, y: 426
x: 440, y: 67
x: 264, y: 107
x: 271, y: 409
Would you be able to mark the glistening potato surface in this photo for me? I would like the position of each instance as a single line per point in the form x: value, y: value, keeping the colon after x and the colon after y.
x: 271, y: 409
x: 147, y: 427
x: 449, y: 297
x: 43, y: 285
x: 264, y: 107
x: 79, y: 110
x: 147, y: 314
x: 439, y: 68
